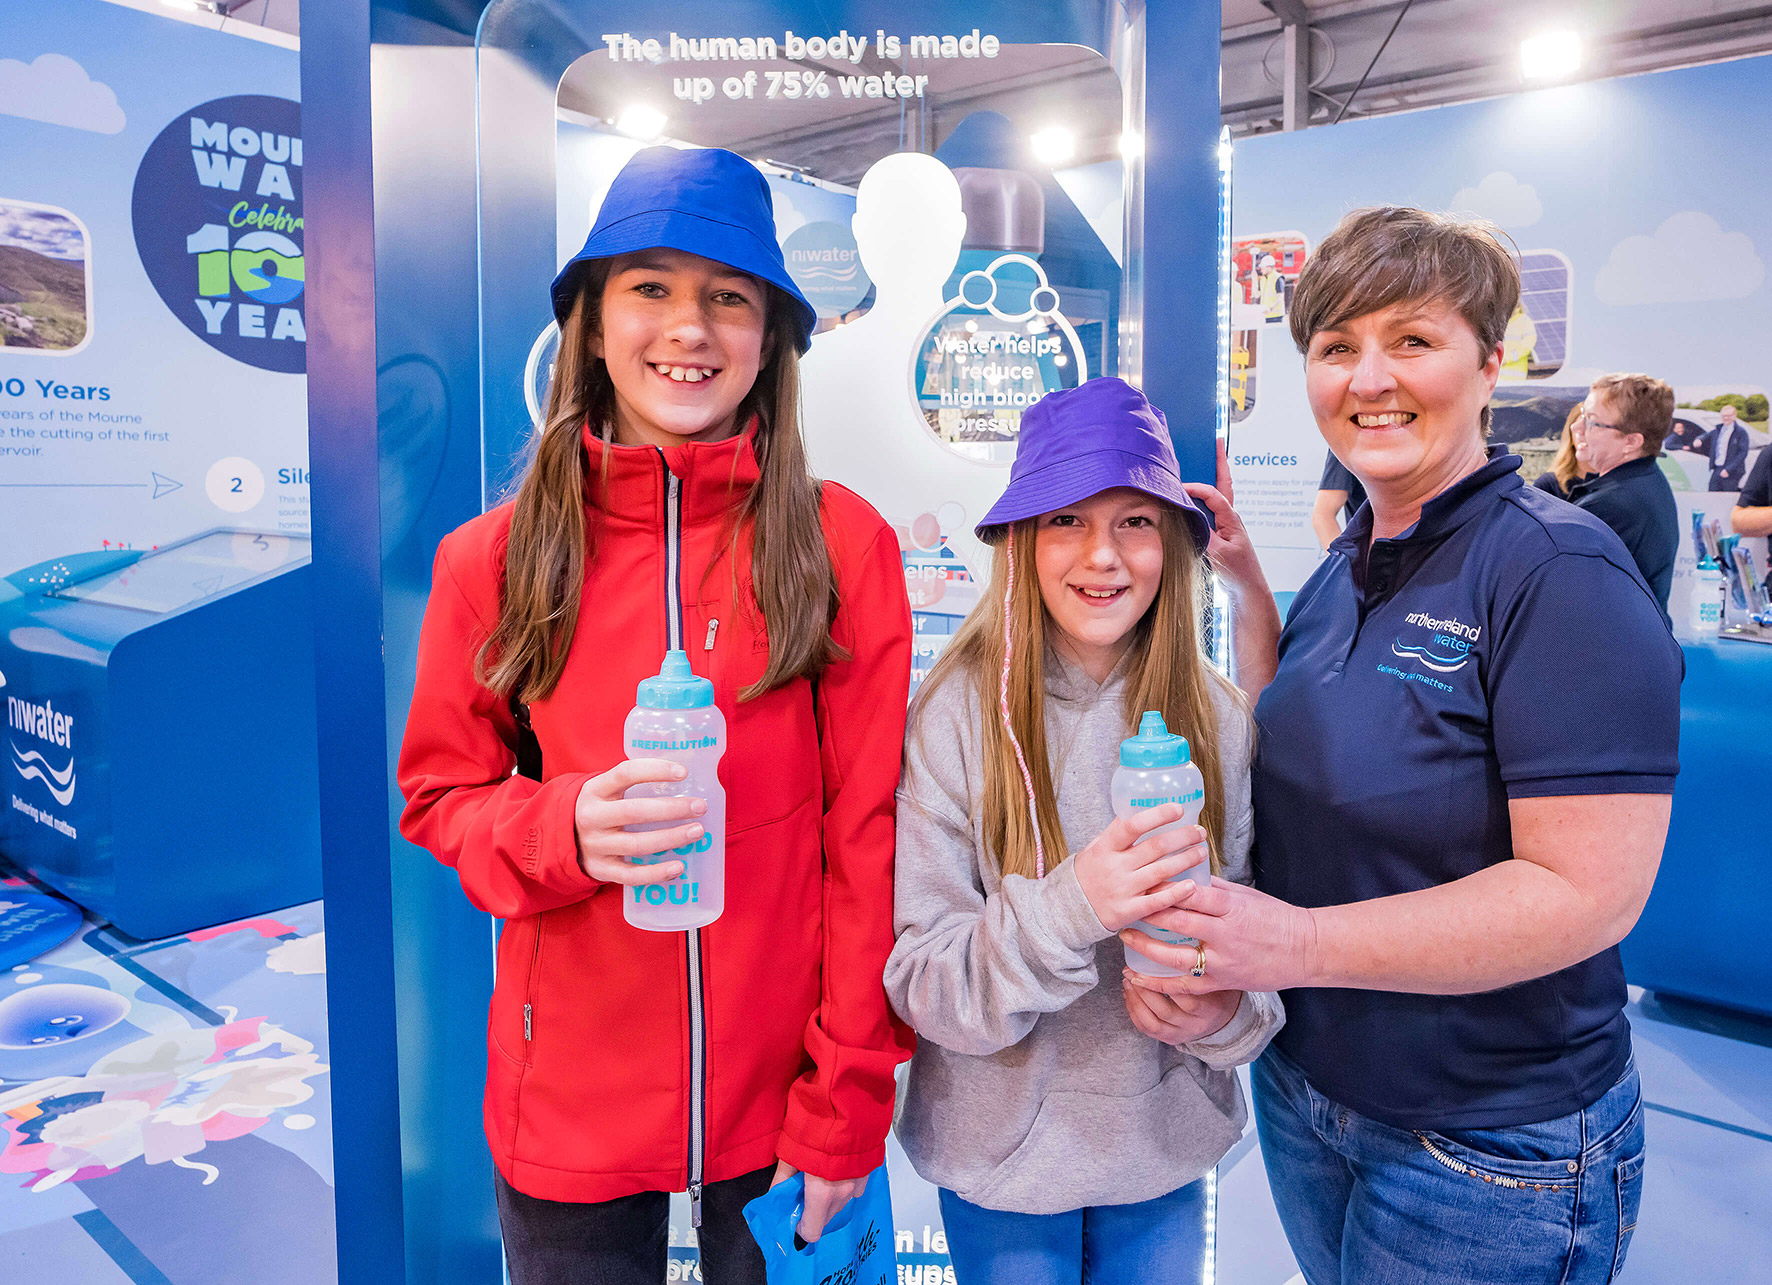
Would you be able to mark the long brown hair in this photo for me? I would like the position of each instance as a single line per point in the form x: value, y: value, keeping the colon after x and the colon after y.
x: 1564, y: 466
x: 550, y: 541
x: 1167, y: 672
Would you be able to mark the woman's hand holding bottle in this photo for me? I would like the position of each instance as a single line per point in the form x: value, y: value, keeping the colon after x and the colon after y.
x: 1126, y: 880
x: 601, y: 813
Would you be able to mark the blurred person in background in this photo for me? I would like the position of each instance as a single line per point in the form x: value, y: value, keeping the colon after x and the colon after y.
x: 1567, y: 467
x: 1619, y: 434
x: 1752, y: 514
x: 1726, y: 444
x: 1339, y: 497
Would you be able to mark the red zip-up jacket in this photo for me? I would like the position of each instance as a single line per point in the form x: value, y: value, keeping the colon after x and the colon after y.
x: 622, y: 1060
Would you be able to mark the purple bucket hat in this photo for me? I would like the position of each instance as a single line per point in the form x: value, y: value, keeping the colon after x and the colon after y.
x: 1080, y: 441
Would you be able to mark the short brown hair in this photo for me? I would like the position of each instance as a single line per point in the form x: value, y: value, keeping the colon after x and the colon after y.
x: 1391, y: 254
x: 1643, y: 403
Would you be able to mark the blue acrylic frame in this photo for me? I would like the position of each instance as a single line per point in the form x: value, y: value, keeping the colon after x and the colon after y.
x: 390, y: 202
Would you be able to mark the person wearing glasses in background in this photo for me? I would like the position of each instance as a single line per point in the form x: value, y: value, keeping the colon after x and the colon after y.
x: 1618, y: 435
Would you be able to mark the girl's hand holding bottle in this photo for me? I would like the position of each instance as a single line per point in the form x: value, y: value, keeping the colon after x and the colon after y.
x: 1178, y: 1019
x: 1126, y: 880
x: 604, y: 846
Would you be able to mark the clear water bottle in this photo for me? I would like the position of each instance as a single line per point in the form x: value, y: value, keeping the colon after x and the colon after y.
x: 1707, y: 598
x: 674, y: 717
x: 1156, y: 767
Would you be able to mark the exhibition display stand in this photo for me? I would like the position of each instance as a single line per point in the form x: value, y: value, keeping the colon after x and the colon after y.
x: 433, y: 225
x: 1703, y: 934
x: 160, y: 720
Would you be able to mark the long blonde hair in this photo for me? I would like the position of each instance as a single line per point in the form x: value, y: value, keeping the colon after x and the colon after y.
x: 1564, y: 466
x: 550, y: 542
x: 1167, y: 672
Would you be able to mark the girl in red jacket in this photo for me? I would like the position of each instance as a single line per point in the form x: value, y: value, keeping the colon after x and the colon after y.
x: 669, y: 505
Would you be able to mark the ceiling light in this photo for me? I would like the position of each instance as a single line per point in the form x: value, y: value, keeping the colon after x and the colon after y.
x: 641, y: 122
x: 1550, y: 56
x: 1054, y: 145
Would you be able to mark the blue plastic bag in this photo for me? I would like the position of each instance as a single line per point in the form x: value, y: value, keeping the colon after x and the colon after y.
x: 855, y: 1249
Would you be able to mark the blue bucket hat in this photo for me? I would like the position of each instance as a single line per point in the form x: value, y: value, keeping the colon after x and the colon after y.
x: 1078, y: 442
x: 701, y: 200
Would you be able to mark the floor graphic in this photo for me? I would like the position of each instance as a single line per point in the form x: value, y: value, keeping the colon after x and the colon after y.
x: 165, y: 1119
x: 164, y: 1107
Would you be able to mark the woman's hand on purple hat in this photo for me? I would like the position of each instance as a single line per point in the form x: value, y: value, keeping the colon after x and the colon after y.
x: 1231, y: 551
x: 1255, y: 617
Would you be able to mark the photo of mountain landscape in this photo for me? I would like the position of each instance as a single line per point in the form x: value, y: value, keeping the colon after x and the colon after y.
x: 43, y: 301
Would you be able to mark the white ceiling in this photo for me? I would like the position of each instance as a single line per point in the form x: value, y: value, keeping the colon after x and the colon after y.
x: 1456, y: 50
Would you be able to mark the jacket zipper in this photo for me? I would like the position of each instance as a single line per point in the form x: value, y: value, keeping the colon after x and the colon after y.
x: 692, y: 939
x: 529, y: 993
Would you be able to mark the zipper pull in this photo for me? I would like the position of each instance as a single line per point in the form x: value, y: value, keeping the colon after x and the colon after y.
x: 709, y: 644
x: 526, y: 1022
x: 695, y: 1204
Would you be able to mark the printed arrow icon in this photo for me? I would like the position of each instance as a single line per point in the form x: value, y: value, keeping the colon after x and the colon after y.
x: 164, y: 485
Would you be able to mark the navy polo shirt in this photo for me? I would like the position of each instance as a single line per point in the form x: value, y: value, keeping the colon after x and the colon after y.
x: 1337, y: 477
x: 1504, y: 647
x: 1636, y: 501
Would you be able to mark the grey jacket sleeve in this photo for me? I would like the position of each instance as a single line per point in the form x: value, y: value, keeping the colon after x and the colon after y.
x: 1260, y: 1014
x: 973, y: 972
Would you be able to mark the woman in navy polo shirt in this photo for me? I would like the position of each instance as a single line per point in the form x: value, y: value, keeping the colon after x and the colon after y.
x: 1454, y: 826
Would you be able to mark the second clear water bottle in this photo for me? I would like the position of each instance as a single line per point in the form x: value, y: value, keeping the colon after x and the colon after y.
x: 674, y: 717
x: 1156, y: 767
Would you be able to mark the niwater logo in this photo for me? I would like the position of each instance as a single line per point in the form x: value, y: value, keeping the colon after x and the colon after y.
x: 824, y: 262
x: 218, y: 226
x: 54, y: 729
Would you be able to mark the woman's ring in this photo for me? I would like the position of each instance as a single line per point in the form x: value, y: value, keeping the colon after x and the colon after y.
x: 1199, y: 968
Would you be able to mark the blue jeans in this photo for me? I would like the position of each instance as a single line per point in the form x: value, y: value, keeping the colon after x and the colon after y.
x: 1155, y: 1240
x: 1364, y: 1203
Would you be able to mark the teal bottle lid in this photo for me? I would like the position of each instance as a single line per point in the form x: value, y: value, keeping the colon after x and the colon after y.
x: 675, y: 686
x: 1155, y: 745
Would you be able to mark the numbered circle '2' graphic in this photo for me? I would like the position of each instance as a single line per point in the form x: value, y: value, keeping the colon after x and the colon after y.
x: 218, y: 225
x: 234, y: 484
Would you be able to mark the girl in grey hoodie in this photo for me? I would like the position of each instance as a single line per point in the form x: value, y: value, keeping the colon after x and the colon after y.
x: 1067, y: 1116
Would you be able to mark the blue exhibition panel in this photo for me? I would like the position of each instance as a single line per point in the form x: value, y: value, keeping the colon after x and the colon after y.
x: 161, y: 730
x: 434, y: 184
x: 1703, y: 934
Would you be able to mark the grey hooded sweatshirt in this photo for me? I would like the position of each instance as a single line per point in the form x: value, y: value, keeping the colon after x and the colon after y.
x: 1031, y: 1091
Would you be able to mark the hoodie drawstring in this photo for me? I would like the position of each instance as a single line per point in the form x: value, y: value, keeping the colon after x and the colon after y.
x: 1003, y: 706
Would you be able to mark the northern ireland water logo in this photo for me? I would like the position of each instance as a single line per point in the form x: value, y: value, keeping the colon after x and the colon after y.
x: 218, y: 226
x: 824, y: 262
x: 55, y: 730
x: 1446, y: 650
